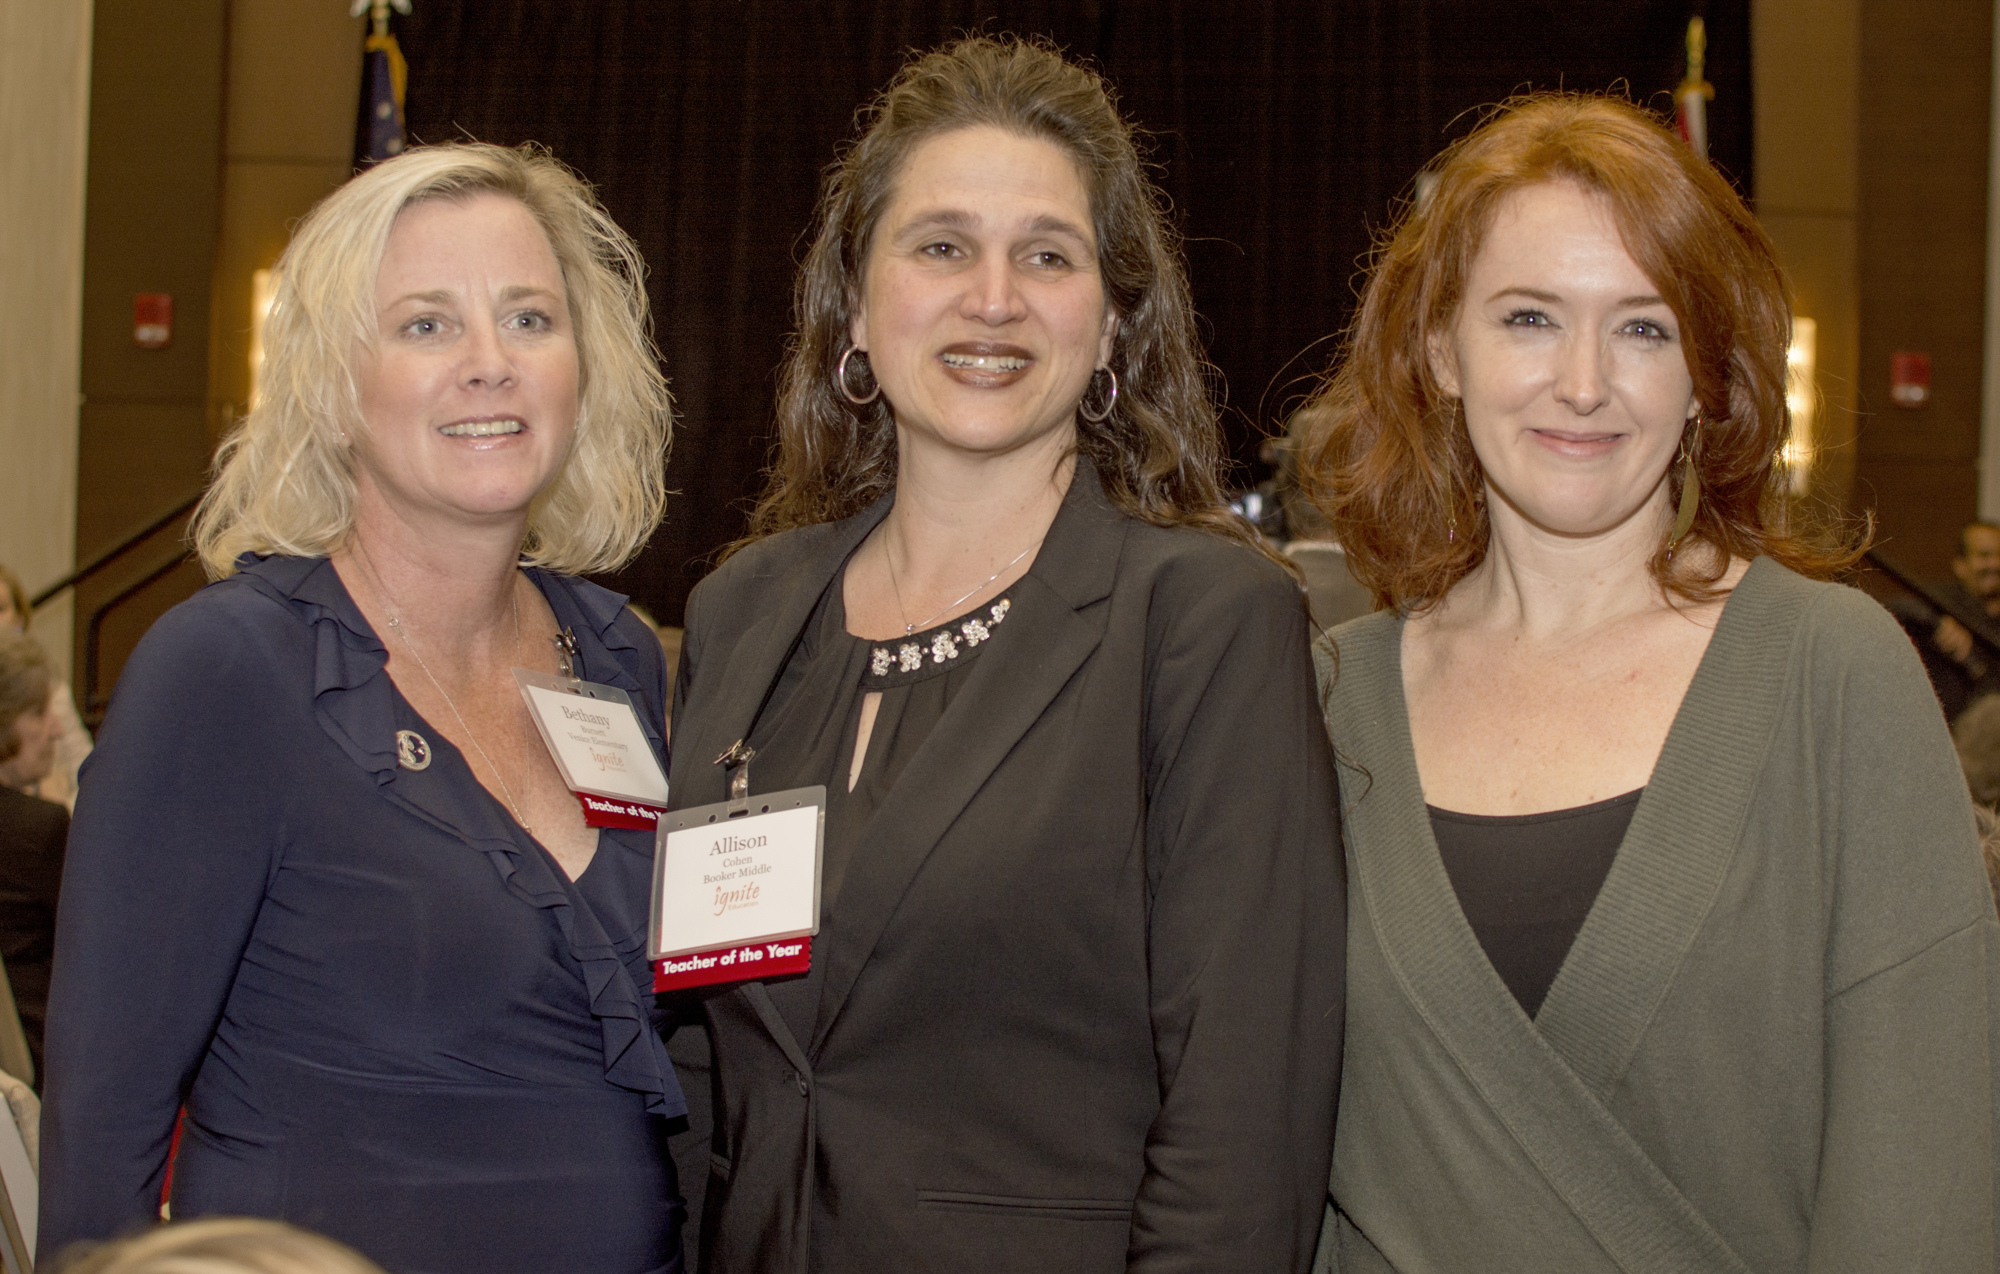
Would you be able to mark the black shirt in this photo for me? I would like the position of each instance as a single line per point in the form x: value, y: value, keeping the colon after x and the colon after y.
x: 1526, y: 882
x: 33, y: 834
x: 809, y: 732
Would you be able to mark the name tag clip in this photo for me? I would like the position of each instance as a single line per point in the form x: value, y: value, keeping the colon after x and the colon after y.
x: 566, y: 652
x: 737, y: 762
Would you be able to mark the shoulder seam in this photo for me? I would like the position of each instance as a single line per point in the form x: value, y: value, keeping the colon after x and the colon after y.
x: 1918, y: 954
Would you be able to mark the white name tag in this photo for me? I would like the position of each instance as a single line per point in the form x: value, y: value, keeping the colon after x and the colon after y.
x: 594, y: 735
x: 729, y: 891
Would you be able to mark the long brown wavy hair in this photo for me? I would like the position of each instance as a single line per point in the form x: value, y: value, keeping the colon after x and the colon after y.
x: 1159, y: 453
x: 1390, y: 462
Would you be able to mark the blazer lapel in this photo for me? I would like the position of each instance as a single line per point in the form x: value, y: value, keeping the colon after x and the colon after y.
x: 1051, y: 630
x: 744, y: 672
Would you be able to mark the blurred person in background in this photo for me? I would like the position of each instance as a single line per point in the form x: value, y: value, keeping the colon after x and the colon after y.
x: 72, y: 742
x: 1976, y: 735
x: 1960, y: 645
x: 1332, y: 592
x: 33, y: 832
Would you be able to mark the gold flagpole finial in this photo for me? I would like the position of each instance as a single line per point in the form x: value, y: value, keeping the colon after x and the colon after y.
x: 1697, y: 44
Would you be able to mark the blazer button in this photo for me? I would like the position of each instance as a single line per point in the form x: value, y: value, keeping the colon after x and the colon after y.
x: 800, y: 1080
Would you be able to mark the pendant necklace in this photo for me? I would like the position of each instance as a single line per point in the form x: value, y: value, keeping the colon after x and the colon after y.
x: 910, y: 628
x: 409, y: 640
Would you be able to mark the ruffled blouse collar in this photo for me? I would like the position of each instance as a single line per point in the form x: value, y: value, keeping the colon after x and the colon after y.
x: 358, y: 706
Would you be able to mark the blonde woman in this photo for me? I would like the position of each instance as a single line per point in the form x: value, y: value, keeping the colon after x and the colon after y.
x: 327, y: 890
x: 224, y: 1245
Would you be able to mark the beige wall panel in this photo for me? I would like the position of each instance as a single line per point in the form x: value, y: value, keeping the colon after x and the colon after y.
x: 1820, y: 259
x: 44, y: 114
x: 155, y: 143
x: 294, y: 78
x: 294, y: 84
x: 1926, y: 71
x: 150, y: 219
x: 157, y: 453
x: 1807, y: 64
x: 261, y: 202
x: 1807, y: 58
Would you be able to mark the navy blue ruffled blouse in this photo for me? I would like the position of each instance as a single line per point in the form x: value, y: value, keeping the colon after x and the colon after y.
x: 389, y: 1015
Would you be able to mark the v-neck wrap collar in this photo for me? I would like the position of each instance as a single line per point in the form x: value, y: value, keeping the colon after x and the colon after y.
x: 1550, y: 1080
x: 357, y: 705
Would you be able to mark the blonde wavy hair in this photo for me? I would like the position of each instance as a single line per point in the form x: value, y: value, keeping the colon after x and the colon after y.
x: 284, y: 478
x: 224, y: 1245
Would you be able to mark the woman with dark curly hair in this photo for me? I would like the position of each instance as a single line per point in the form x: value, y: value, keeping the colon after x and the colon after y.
x: 1669, y: 948
x: 1074, y: 1004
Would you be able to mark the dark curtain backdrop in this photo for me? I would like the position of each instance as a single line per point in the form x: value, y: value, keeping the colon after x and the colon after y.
x: 1284, y: 131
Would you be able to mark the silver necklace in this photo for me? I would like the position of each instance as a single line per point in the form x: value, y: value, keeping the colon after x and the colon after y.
x: 910, y: 628
x: 396, y: 622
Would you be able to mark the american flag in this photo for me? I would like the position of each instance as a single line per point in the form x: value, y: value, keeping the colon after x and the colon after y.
x: 385, y: 77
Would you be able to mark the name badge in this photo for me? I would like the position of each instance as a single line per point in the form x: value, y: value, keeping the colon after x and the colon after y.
x: 736, y: 889
x: 594, y: 735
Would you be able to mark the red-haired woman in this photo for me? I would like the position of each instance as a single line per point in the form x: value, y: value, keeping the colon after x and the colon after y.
x: 1668, y: 943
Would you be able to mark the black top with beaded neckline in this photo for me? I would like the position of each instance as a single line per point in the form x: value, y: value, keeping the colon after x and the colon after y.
x: 900, y: 661
x: 810, y: 731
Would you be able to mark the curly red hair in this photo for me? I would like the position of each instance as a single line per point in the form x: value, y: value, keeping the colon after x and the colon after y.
x: 1390, y: 462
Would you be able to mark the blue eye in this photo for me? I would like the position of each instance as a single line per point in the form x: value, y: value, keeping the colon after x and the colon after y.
x: 1650, y: 331
x: 1529, y: 318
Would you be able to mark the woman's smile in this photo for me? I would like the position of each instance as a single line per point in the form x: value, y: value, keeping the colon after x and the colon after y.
x: 1576, y: 444
x: 986, y: 364
x: 489, y: 430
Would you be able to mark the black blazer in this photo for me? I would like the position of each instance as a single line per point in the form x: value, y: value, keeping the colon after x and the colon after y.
x: 1080, y: 994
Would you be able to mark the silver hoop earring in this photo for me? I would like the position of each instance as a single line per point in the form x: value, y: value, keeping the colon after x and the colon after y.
x: 840, y: 378
x: 1110, y: 400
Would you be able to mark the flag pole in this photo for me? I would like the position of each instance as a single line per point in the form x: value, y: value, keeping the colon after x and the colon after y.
x: 1691, y: 99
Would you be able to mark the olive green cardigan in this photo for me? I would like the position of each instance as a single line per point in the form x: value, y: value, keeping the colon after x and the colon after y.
x: 1771, y: 1047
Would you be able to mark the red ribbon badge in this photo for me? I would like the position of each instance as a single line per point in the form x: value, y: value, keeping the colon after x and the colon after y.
x: 733, y: 964
x: 610, y: 811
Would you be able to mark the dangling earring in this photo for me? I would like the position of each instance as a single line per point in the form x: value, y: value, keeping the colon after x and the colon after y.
x: 1110, y: 400
x: 1690, y: 489
x: 1458, y: 425
x: 840, y: 377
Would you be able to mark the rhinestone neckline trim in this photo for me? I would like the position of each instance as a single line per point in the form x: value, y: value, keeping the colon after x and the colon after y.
x: 942, y: 644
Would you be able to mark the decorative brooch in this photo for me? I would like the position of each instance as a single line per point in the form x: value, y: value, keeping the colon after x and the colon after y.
x: 909, y: 655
